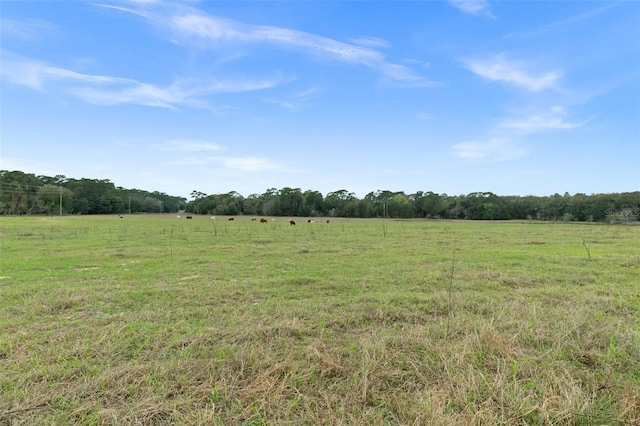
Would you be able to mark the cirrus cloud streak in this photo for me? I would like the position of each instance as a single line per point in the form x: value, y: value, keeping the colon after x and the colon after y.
x: 109, y: 90
x: 227, y: 164
x: 513, y: 72
x: 492, y: 149
x: 189, y: 25
x: 249, y: 164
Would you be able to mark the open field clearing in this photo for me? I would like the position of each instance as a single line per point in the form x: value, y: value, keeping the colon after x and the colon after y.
x: 155, y: 320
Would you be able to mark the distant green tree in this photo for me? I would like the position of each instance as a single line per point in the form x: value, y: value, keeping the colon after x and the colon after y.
x: 289, y: 202
x: 399, y: 206
x: 379, y: 202
x: 577, y: 207
x: 433, y: 205
x: 150, y: 205
x: 229, y: 204
x: 553, y: 207
x: 94, y: 196
x: 269, y: 202
x: 252, y: 205
x: 341, y: 203
x: 312, y: 204
x: 365, y: 208
x: 520, y: 207
x: 203, y: 205
x: 52, y: 198
x: 18, y: 192
x: 196, y: 195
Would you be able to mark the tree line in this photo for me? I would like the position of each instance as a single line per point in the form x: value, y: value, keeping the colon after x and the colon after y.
x: 397, y: 204
x: 23, y: 193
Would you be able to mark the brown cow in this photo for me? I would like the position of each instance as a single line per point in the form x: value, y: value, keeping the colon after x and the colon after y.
x: 291, y: 222
x: 230, y: 218
x: 263, y: 220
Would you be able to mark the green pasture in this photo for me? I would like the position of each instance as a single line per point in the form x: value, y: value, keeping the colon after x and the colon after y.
x: 156, y: 320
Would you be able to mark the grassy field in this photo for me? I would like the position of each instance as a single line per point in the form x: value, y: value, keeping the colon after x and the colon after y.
x: 154, y: 320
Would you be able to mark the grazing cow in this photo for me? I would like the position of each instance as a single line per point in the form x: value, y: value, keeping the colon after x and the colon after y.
x: 253, y: 219
x: 213, y: 218
x: 120, y: 216
x: 310, y: 221
x: 263, y: 220
x: 327, y: 220
x: 292, y: 222
x: 230, y: 218
x: 189, y: 217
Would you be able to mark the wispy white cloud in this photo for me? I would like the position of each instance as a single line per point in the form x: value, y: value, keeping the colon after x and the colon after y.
x: 373, y: 42
x: 416, y: 62
x: 284, y: 104
x: 306, y: 93
x: 249, y: 164
x: 184, y: 145
x: 473, y: 7
x: 215, y: 29
x: 35, y: 74
x: 506, y: 145
x: 493, y: 149
x: 138, y: 8
x: 188, y: 24
x: 517, y: 73
x: 108, y: 90
x: 179, y: 93
x: 194, y: 153
x: 27, y: 30
x: 224, y: 164
x: 402, y: 76
x: 551, y: 119
x: 563, y: 23
x: 295, y: 100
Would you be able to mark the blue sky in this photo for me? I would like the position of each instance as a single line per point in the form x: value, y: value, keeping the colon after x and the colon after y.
x: 512, y: 97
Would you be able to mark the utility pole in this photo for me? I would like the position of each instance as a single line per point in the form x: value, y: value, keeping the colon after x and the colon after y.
x: 129, y: 204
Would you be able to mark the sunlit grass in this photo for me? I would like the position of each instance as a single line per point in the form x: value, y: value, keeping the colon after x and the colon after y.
x: 156, y: 320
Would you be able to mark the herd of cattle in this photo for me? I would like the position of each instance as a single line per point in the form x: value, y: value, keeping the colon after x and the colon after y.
x: 262, y: 219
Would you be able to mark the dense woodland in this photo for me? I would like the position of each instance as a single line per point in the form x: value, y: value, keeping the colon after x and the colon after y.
x: 23, y: 193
